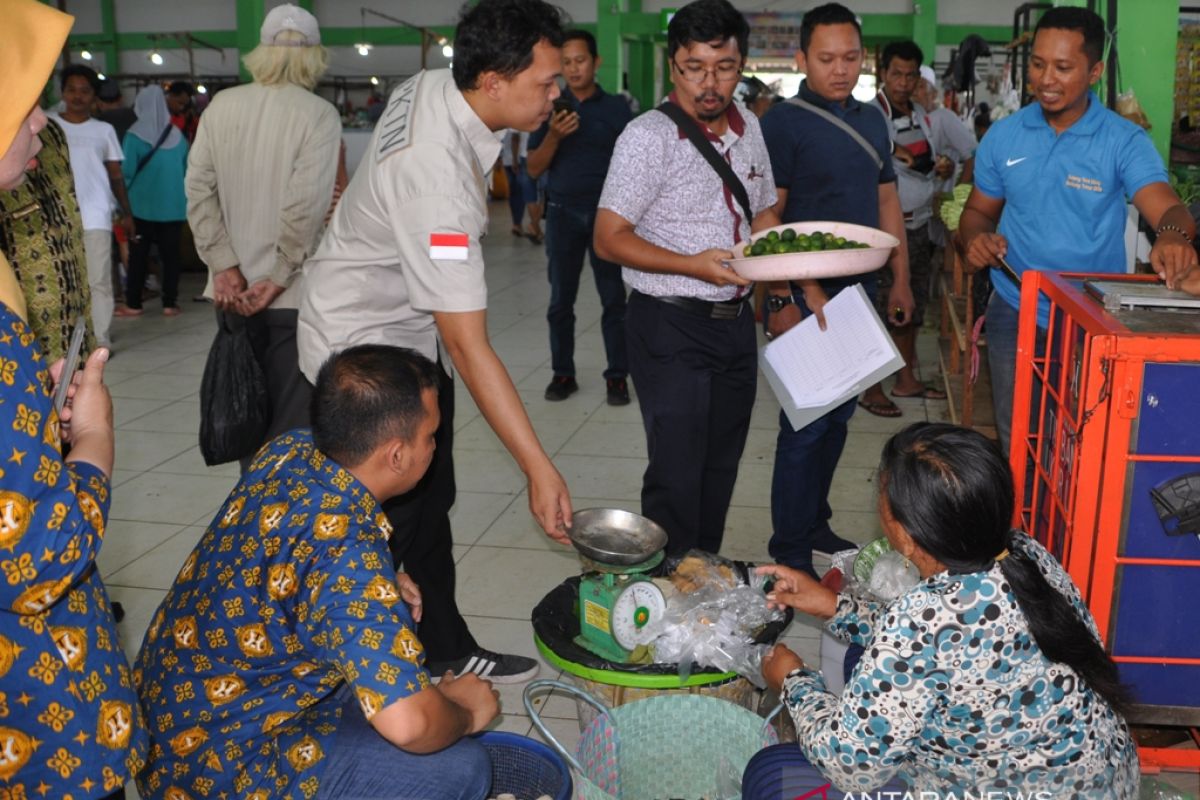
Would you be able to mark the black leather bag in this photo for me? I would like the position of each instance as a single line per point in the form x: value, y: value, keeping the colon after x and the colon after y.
x: 234, y: 407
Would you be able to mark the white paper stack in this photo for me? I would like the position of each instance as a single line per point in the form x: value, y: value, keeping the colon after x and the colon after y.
x: 813, y: 371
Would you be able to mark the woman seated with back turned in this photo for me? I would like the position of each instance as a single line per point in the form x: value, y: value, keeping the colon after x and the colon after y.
x: 987, y: 676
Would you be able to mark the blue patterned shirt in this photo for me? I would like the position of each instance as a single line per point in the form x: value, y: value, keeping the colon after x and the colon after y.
x: 70, y: 725
x: 953, y: 695
x: 289, y: 595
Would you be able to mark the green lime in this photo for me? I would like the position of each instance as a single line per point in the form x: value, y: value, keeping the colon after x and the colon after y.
x: 758, y: 248
x: 788, y: 235
x: 773, y: 236
x: 815, y: 234
x: 841, y: 241
x: 780, y: 247
x: 747, y: 251
x: 802, y: 238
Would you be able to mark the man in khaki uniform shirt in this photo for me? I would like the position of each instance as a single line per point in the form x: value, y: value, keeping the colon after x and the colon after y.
x: 401, y: 264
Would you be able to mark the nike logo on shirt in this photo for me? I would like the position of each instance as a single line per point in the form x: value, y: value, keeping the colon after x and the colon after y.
x: 1013, y: 161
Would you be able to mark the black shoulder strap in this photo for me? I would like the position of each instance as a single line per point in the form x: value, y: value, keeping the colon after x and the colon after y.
x: 719, y: 164
x: 162, y: 137
x: 872, y: 153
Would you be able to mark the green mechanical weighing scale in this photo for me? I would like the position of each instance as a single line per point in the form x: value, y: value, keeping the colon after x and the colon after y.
x: 617, y: 599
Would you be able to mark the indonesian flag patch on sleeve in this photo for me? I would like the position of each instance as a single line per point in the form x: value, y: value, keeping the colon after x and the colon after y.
x: 448, y: 246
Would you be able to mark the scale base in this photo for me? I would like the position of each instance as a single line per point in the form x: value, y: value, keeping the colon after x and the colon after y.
x: 613, y: 653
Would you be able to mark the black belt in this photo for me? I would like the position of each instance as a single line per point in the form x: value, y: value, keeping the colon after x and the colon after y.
x: 712, y: 309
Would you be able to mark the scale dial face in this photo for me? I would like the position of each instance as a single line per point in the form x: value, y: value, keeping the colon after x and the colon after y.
x: 634, y: 609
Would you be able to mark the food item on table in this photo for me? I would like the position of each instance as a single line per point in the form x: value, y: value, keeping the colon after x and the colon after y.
x: 790, y: 241
x: 694, y: 573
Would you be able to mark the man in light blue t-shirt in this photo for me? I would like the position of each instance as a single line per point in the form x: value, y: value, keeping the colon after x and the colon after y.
x: 1051, y: 183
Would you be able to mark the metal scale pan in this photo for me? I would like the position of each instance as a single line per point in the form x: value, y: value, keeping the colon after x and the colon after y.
x: 612, y: 536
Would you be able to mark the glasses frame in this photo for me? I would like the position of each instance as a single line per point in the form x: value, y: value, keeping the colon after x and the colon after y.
x: 705, y: 72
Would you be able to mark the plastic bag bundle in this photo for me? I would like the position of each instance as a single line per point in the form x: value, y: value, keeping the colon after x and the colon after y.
x: 712, y: 619
x: 892, y: 576
x: 876, y: 572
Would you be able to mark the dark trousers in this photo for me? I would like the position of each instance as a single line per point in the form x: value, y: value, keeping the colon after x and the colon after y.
x: 805, y: 461
x: 272, y: 334
x: 696, y: 378
x: 422, y: 542
x: 166, y: 236
x: 568, y: 239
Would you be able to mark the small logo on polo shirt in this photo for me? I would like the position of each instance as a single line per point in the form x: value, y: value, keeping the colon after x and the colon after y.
x: 1086, y: 184
x: 755, y: 174
x: 1014, y: 161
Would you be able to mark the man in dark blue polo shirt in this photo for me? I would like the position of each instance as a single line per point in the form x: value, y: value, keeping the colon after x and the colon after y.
x: 575, y: 146
x: 823, y: 172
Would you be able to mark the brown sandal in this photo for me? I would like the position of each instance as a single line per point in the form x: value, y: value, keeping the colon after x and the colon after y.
x: 885, y: 409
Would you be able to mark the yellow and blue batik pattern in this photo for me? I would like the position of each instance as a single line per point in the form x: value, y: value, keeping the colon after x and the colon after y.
x: 70, y: 726
x: 289, y: 595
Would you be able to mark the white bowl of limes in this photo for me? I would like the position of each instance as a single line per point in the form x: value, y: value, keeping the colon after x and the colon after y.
x: 803, y: 250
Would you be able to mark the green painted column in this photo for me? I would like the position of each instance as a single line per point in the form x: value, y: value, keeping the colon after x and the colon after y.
x: 925, y: 27
x: 250, y: 16
x: 609, y: 43
x: 1146, y: 34
x: 641, y: 72
x: 108, y: 25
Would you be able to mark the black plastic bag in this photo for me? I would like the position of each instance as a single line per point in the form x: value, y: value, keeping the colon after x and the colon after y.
x: 234, y: 407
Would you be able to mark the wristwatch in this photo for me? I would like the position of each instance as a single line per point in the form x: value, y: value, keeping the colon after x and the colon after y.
x: 776, y: 302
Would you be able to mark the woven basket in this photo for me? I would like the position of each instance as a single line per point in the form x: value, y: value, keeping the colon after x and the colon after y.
x: 525, y: 767
x: 667, y: 746
x: 738, y: 691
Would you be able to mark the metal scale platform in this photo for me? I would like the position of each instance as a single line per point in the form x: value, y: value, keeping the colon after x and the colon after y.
x: 1145, y: 307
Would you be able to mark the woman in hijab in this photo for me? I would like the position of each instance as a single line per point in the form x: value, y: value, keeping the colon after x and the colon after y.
x: 72, y: 726
x: 154, y: 166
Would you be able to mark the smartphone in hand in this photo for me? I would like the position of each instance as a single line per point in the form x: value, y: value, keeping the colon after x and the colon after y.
x: 70, y: 364
x: 562, y: 104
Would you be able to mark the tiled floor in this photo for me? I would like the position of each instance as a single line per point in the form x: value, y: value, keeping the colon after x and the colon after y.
x: 165, y: 495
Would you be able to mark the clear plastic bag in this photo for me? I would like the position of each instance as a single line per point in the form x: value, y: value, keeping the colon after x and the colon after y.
x: 876, y: 572
x: 892, y: 576
x: 712, y: 619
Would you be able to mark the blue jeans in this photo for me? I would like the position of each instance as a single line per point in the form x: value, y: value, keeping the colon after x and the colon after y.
x: 522, y: 190
x: 364, y: 766
x: 568, y: 238
x: 805, y: 461
x: 1002, y: 364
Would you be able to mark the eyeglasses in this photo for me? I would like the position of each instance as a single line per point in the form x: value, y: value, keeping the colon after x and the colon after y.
x: 722, y: 72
